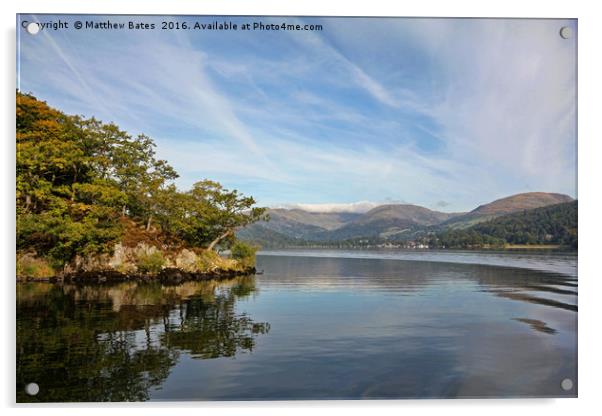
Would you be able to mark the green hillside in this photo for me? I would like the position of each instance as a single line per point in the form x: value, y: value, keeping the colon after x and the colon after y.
x: 264, y: 237
x: 505, y: 206
x: 554, y: 224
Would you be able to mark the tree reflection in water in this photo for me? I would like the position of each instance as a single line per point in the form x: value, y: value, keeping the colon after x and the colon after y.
x: 116, y: 342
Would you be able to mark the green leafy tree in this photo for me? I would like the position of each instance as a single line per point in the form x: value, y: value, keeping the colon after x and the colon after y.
x: 64, y: 207
x: 142, y: 177
x: 215, y: 213
x: 80, y: 182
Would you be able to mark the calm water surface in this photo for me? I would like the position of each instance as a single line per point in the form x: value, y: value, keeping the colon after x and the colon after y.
x: 316, y: 324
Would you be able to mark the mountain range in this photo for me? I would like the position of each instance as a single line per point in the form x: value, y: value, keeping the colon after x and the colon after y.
x: 391, y: 222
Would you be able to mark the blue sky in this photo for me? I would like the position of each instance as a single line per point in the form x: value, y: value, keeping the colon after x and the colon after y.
x: 444, y: 113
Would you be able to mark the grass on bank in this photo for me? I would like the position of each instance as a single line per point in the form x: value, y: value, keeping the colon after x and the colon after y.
x: 30, y: 266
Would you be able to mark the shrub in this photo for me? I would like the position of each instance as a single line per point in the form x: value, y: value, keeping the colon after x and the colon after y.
x: 150, y: 262
x: 209, y: 260
x: 31, y: 266
x: 243, y: 253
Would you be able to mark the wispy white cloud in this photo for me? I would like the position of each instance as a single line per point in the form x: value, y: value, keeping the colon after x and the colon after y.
x: 489, y: 110
x: 358, y: 76
x: 509, y: 99
x: 502, y: 94
x: 352, y: 207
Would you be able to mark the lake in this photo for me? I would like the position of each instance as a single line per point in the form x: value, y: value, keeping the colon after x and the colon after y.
x: 317, y: 324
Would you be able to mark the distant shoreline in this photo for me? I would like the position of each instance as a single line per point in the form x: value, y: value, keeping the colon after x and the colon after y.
x: 537, y: 247
x: 508, y: 247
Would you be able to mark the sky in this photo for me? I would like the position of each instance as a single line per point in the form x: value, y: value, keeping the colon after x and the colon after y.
x: 444, y: 113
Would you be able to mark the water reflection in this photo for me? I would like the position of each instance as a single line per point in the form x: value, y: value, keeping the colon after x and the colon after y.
x: 564, y: 262
x: 537, y: 325
x: 212, y: 329
x: 344, y: 328
x: 116, y: 342
x: 410, y: 277
x: 534, y: 299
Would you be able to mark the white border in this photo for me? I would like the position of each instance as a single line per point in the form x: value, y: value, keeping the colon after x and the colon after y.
x: 590, y: 70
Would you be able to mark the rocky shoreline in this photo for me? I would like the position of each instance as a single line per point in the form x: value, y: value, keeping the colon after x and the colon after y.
x: 170, y: 275
x: 142, y: 262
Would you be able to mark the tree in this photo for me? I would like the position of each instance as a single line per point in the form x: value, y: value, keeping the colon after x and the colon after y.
x: 64, y: 206
x: 140, y: 176
x: 215, y: 213
x: 81, y: 183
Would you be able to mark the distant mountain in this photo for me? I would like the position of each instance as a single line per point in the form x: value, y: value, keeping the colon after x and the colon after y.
x: 289, y: 227
x: 298, y: 224
x: 267, y: 238
x: 412, y: 213
x: 386, y: 221
x: 324, y: 220
x: 521, y: 202
x: 555, y: 224
x: 552, y: 224
x: 508, y: 205
x: 297, y: 227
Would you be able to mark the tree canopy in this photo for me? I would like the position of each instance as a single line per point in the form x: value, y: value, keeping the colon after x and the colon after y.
x: 80, y: 182
x: 554, y: 224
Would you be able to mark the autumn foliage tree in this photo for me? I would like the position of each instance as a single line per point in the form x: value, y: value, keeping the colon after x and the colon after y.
x: 78, y: 179
x: 64, y: 206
